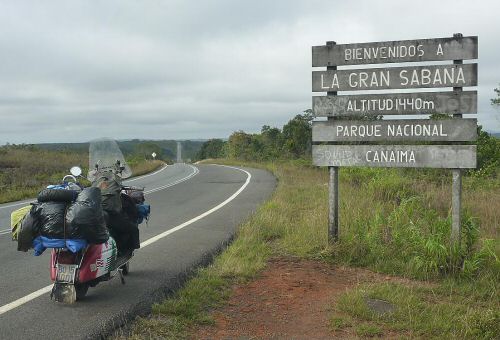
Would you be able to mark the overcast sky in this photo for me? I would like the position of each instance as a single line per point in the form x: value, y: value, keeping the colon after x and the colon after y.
x: 72, y: 71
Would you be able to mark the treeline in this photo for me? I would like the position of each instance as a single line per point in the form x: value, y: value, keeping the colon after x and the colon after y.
x: 291, y: 142
x: 137, y: 149
x: 294, y: 141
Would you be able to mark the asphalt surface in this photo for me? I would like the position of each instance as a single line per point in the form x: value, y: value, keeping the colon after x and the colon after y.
x: 178, y: 194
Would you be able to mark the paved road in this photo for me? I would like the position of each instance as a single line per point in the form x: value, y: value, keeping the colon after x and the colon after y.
x: 195, y: 210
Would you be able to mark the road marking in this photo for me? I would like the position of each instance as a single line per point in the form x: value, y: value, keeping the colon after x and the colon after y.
x: 199, y: 217
x: 151, y: 174
x: 194, y: 173
x: 126, y: 181
x: 15, y: 204
x: 24, y: 299
x: 21, y: 301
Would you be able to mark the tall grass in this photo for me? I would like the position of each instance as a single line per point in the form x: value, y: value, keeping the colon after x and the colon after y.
x: 25, y: 170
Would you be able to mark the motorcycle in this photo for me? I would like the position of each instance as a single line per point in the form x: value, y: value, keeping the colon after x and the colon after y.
x: 74, y: 272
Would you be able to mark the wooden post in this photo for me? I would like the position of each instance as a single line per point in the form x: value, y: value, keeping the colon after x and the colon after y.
x: 333, y: 187
x: 456, y: 186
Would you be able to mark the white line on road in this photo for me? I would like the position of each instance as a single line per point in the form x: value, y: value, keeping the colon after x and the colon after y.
x: 15, y: 204
x: 151, y: 174
x: 34, y: 295
x: 199, y: 217
x: 194, y: 173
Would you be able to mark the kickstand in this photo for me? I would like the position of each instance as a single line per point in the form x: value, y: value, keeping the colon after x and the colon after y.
x: 122, y: 278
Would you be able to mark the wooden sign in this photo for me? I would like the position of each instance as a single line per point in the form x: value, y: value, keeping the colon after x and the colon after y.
x: 384, y: 132
x: 395, y: 78
x: 396, y: 156
x: 445, y: 130
x: 395, y: 51
x: 396, y: 104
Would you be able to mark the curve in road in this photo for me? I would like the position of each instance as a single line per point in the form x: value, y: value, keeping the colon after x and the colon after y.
x: 203, y: 206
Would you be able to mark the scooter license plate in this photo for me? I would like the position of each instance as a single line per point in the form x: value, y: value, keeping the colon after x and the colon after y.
x: 66, y: 273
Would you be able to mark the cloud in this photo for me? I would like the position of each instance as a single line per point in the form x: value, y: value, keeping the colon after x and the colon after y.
x: 74, y: 71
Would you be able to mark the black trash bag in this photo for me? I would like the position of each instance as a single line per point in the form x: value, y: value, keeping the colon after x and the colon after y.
x: 30, y: 228
x: 124, y: 231
x: 50, y: 216
x: 85, y: 217
x: 57, y: 195
x: 130, y: 207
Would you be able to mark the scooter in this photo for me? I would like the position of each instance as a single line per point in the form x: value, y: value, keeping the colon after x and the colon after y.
x: 73, y: 273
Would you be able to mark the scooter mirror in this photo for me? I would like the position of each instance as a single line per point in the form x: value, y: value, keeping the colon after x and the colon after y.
x: 76, y: 171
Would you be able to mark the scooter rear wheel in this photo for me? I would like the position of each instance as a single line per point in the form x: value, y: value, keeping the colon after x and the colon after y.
x: 81, y: 290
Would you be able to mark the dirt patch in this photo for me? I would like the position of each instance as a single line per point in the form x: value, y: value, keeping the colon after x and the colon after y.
x: 290, y: 299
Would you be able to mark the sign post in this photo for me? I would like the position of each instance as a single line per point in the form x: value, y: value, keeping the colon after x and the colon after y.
x: 345, y: 113
x: 333, y: 185
x: 456, y: 186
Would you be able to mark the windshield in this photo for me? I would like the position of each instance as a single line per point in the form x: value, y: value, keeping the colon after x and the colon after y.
x: 105, y: 155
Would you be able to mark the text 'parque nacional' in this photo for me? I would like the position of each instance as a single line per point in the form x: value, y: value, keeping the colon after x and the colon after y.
x: 395, y: 130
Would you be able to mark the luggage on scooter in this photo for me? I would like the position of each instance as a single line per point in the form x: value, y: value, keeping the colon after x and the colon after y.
x: 41, y: 243
x: 129, y: 207
x: 110, y: 192
x: 137, y: 194
x: 57, y: 195
x: 143, y: 212
x: 51, y: 219
x: 16, y: 218
x: 85, y: 217
x: 29, y: 229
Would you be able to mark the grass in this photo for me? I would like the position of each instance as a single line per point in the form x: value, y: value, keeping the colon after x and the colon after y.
x: 391, y: 222
x: 25, y: 170
x: 421, y: 311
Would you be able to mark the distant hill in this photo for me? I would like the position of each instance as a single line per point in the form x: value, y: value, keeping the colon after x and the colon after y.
x: 496, y: 134
x: 128, y: 147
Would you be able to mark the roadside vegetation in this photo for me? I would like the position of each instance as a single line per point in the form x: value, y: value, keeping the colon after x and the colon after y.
x: 393, y: 221
x: 26, y: 169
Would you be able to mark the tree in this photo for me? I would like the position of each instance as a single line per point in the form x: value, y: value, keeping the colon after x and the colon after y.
x: 496, y: 101
x: 213, y: 148
x: 488, y: 152
x: 297, y: 134
x: 272, y: 140
x: 244, y: 146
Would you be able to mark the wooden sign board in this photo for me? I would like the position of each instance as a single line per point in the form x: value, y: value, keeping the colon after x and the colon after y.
x: 445, y: 130
x: 396, y: 156
x: 395, y: 104
x: 395, y: 51
x: 395, y: 78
